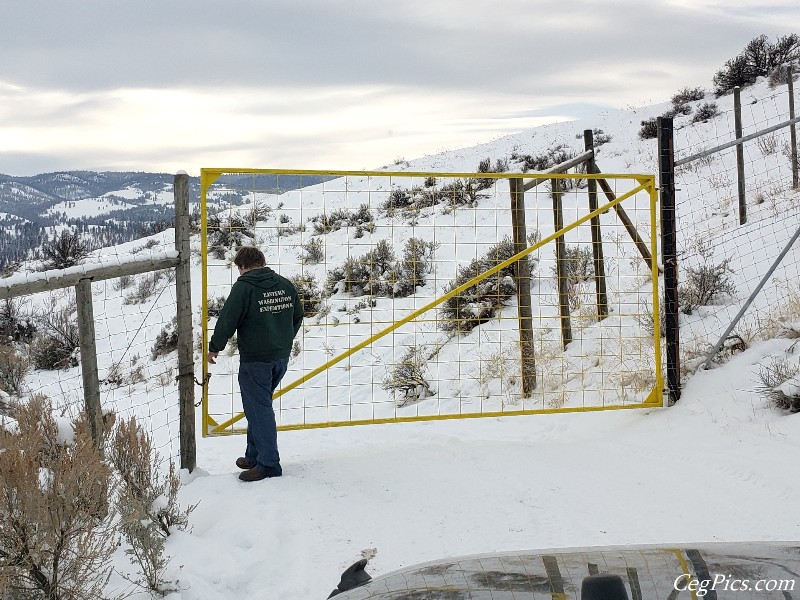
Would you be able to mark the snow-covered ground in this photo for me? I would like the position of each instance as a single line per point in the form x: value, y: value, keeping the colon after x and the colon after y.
x: 716, y: 467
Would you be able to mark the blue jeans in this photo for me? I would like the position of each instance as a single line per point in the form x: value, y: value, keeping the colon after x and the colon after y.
x: 257, y: 382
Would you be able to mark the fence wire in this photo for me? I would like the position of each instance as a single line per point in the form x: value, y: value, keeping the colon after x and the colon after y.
x: 134, y: 321
x: 721, y: 260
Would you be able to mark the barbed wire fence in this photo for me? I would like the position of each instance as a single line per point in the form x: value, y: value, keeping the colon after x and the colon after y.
x: 734, y: 177
x: 101, y: 336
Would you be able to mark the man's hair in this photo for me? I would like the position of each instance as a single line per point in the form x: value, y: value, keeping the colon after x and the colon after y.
x: 249, y: 257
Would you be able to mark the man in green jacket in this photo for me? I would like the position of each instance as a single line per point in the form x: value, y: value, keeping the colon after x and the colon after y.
x: 265, y: 311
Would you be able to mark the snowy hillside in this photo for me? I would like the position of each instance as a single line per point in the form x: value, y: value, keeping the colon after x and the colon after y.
x: 712, y: 468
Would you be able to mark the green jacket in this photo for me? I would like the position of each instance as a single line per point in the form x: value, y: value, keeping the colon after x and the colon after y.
x: 265, y: 310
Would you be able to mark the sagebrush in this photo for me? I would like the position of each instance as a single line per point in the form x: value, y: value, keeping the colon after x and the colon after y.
x: 57, y: 527
x: 148, y: 502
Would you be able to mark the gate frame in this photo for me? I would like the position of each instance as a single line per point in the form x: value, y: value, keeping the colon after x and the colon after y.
x: 646, y: 183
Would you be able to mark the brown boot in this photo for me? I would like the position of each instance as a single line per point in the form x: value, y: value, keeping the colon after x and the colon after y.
x: 260, y: 472
x: 243, y: 463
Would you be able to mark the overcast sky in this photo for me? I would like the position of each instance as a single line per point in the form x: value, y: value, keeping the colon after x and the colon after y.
x: 168, y: 85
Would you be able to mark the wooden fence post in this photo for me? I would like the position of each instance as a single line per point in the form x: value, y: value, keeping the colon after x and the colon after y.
x: 597, y: 238
x: 183, y: 286
x: 88, y: 349
x: 737, y: 115
x: 561, y: 267
x: 669, y: 254
x: 792, y: 129
x: 523, y: 281
x: 641, y: 246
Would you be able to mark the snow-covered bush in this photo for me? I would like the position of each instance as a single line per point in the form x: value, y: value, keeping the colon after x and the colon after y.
x: 50, y: 352
x: 124, y: 282
x: 780, y: 75
x: 146, y: 286
x: 707, y: 111
x: 15, y: 324
x: 166, y: 340
x: 408, y: 376
x: 65, y: 251
x: 705, y: 283
x: 215, y: 304
x: 147, y: 502
x: 340, y: 218
x: 364, y: 275
x: 678, y: 110
x: 687, y: 94
x: 309, y: 293
x: 412, y: 271
x: 117, y: 375
x: 226, y: 233
x: 461, y: 192
x: 649, y: 129
x: 55, y: 344
x: 379, y: 273
x: 314, y: 252
x: 398, y: 199
x: 578, y: 264
x: 480, y: 302
x: 758, y: 59
x: 779, y: 384
x: 600, y: 137
x: 540, y: 162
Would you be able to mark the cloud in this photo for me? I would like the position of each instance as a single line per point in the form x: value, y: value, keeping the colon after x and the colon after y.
x: 248, y: 127
x: 355, y: 82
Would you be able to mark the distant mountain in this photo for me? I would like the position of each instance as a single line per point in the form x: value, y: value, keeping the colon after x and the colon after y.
x: 119, y: 206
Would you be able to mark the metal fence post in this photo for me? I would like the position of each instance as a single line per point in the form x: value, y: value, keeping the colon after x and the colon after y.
x: 597, y: 238
x: 669, y: 253
x: 88, y: 349
x: 561, y: 266
x: 792, y: 129
x: 183, y: 285
x: 523, y: 281
x: 737, y: 108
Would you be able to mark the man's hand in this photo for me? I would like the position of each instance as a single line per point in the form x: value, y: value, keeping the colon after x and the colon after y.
x: 212, y: 357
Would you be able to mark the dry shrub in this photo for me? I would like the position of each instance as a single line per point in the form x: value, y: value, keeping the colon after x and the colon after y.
x: 16, y: 324
x: 55, y: 345
x: 772, y: 377
x: 118, y: 376
x: 13, y: 370
x: 145, y: 288
x: 166, y: 340
x: 148, y: 502
x: 408, y: 377
x: 65, y: 251
x: 57, y: 532
x: 706, y: 283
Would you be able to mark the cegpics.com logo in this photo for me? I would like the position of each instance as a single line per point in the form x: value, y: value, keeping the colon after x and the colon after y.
x: 726, y: 583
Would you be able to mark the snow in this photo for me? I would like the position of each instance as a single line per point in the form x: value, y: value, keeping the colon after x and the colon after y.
x: 717, y: 466
x: 89, y: 207
x: 712, y: 468
x: 107, y: 260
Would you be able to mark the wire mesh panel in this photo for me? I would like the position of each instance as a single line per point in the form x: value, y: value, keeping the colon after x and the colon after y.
x: 731, y: 228
x: 135, y: 337
x: 410, y: 286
